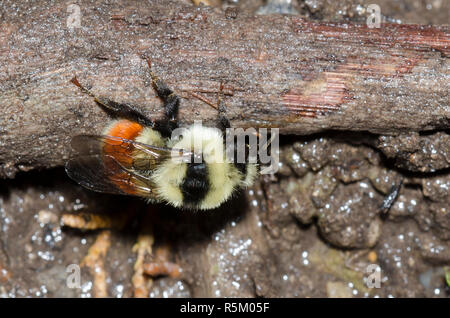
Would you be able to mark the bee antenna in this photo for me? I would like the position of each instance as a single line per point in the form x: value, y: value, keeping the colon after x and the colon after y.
x: 267, y: 144
x: 220, y: 105
x: 203, y: 99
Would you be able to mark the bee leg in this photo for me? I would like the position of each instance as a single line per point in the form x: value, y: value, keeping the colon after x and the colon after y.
x: 222, y: 120
x: 171, y: 104
x: 118, y: 109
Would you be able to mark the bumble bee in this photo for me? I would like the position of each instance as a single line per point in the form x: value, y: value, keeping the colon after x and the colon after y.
x: 138, y: 156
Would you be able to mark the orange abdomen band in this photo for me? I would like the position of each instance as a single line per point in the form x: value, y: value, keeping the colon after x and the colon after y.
x: 121, y: 151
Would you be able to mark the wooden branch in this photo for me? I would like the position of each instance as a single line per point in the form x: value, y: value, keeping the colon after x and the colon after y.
x: 278, y: 71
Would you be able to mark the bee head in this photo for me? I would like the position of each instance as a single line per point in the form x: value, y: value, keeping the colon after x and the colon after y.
x: 205, y: 143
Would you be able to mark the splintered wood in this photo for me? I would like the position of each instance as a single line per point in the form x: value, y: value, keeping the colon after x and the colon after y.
x: 95, y: 261
x: 143, y: 247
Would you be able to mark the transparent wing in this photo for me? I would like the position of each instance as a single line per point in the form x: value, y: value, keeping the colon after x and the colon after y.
x: 116, y: 165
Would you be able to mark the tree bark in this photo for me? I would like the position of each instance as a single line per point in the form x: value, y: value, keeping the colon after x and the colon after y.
x: 278, y: 71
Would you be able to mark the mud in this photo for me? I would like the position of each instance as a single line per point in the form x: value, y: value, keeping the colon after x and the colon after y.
x: 312, y: 230
x: 415, y: 152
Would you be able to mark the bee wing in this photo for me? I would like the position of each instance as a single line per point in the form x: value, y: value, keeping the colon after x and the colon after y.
x: 116, y: 165
x: 91, y: 172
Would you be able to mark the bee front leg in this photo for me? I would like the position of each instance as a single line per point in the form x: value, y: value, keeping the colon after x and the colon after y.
x: 171, y: 104
x: 222, y: 120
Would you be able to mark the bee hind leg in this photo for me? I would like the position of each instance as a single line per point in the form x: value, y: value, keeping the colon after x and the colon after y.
x: 117, y: 109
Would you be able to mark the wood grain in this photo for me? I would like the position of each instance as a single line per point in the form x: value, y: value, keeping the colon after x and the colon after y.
x: 278, y: 71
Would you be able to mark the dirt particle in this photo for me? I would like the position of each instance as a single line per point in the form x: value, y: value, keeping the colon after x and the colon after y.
x: 338, y: 290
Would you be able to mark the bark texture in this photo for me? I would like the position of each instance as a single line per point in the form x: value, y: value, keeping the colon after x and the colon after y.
x: 278, y: 71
